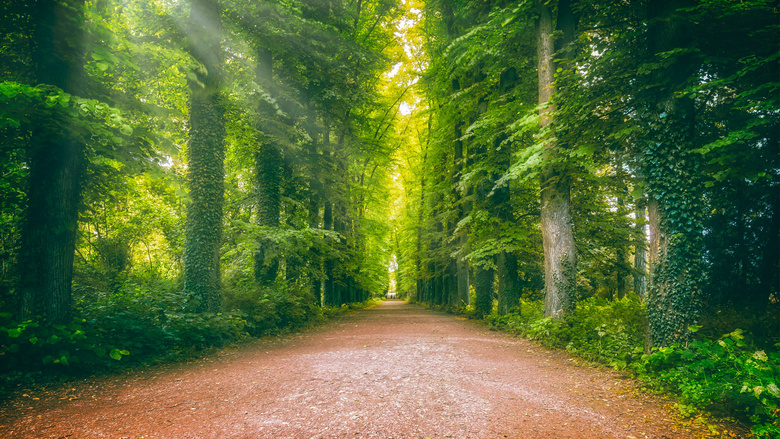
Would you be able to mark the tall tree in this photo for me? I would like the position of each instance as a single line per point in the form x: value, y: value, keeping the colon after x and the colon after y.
x: 640, y: 250
x: 268, y: 169
x: 560, y: 256
x: 205, y: 160
x: 56, y: 161
x: 674, y: 179
x: 506, y: 260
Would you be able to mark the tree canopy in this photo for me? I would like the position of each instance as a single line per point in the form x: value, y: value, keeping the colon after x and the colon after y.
x: 187, y: 171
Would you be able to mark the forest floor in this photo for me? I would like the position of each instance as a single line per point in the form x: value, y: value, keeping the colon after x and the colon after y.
x: 393, y: 371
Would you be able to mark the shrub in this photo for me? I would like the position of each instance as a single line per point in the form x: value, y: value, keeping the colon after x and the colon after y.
x: 725, y: 375
x: 269, y: 309
x: 29, y: 345
x: 610, y: 332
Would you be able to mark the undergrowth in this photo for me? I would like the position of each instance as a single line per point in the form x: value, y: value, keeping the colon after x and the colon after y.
x: 727, y: 376
x: 137, y: 324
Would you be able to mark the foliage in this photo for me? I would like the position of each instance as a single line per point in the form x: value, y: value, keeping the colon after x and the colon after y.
x: 600, y: 330
x: 141, y: 323
x: 270, y: 309
x: 726, y: 376
x: 29, y: 345
x: 411, y: 129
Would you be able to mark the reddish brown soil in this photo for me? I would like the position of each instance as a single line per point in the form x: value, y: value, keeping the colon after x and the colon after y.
x: 395, y: 371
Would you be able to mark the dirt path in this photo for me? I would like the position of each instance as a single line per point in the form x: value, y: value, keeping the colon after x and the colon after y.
x: 395, y: 371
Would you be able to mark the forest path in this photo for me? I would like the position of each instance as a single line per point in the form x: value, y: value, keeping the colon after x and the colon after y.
x: 394, y: 371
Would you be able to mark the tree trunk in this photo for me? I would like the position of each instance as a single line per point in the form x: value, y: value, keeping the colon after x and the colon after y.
x: 673, y: 297
x: 508, y: 284
x: 314, y: 223
x: 328, y: 292
x: 460, y: 269
x: 640, y: 252
x: 557, y: 224
x: 483, y: 287
x: 621, y: 259
x: 506, y: 262
x: 56, y: 163
x: 205, y: 156
x: 268, y: 166
x: 463, y: 296
x: 657, y: 240
x: 420, y: 276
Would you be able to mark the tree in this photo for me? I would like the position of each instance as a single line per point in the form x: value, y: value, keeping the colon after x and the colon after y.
x: 205, y: 158
x: 560, y: 256
x: 56, y: 161
x: 268, y: 162
x: 674, y: 181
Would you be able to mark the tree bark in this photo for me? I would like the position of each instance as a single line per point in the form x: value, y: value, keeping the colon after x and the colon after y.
x: 621, y: 258
x: 56, y: 164
x: 420, y: 276
x: 205, y: 156
x: 674, y: 294
x: 463, y: 296
x: 557, y: 224
x: 268, y: 168
x: 328, y: 292
x: 506, y: 262
x: 640, y: 251
x: 483, y: 288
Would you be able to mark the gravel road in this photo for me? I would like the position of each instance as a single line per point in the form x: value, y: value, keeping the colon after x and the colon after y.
x: 393, y: 371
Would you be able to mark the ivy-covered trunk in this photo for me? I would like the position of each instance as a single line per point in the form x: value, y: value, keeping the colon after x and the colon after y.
x: 506, y: 260
x: 508, y: 284
x: 205, y: 156
x: 640, y: 250
x: 674, y: 174
x: 56, y: 163
x: 268, y: 161
x: 268, y: 171
x: 557, y: 224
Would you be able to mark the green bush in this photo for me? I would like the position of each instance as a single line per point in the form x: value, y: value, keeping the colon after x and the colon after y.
x: 610, y: 332
x: 269, y: 309
x: 725, y: 376
x: 30, y: 345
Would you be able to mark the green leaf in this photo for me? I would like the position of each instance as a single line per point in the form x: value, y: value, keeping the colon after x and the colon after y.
x: 116, y: 354
x: 13, y: 333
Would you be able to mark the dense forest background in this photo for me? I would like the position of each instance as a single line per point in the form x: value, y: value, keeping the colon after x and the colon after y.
x: 600, y: 176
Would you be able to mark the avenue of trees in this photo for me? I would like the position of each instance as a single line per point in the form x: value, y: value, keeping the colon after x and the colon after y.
x: 603, y: 176
x: 178, y: 173
x: 570, y: 149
